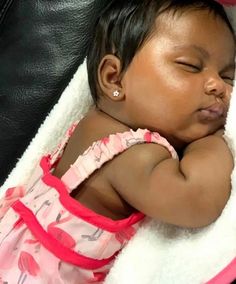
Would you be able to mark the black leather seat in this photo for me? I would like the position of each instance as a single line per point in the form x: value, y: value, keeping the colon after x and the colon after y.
x: 41, y: 45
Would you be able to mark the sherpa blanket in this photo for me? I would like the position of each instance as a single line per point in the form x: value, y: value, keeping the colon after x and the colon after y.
x: 158, y: 253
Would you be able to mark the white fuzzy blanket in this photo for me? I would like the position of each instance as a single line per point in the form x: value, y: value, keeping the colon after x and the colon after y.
x: 158, y: 253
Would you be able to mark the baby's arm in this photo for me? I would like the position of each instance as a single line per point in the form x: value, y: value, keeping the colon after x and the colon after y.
x: 189, y: 193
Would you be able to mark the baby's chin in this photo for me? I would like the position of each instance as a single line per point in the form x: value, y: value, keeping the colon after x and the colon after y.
x: 181, y: 140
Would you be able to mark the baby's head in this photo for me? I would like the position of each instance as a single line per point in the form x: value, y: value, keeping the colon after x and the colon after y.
x: 165, y: 65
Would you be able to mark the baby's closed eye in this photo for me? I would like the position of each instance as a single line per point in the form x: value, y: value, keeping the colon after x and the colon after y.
x: 188, y: 66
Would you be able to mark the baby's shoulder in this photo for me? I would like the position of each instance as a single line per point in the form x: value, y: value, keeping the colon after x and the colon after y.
x: 149, y: 151
x: 142, y: 156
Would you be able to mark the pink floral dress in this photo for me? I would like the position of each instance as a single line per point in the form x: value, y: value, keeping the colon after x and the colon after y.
x: 48, y: 237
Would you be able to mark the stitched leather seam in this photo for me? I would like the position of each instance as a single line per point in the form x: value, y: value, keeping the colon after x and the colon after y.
x: 4, y: 10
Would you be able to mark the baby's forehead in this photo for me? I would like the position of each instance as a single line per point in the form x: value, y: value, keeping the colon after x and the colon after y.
x: 196, y: 32
x: 171, y: 17
x: 193, y: 23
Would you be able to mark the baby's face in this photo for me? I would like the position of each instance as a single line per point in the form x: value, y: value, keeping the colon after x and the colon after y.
x: 179, y: 83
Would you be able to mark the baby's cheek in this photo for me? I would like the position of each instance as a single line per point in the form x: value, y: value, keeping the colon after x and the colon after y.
x: 226, y: 100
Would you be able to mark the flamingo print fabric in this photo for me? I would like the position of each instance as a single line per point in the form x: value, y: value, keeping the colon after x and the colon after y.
x: 48, y: 237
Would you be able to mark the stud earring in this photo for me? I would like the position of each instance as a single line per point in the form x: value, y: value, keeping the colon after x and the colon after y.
x: 116, y: 93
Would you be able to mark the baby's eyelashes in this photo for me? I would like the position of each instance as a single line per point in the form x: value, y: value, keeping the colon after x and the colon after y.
x: 195, y: 68
x: 189, y: 66
x: 228, y: 80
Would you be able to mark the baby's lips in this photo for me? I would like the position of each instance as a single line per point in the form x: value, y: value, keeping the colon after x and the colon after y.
x: 213, y: 112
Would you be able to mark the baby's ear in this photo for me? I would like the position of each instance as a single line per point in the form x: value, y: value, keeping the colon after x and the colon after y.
x: 109, y: 78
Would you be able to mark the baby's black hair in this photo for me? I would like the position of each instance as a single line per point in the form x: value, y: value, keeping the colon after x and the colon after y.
x: 124, y: 26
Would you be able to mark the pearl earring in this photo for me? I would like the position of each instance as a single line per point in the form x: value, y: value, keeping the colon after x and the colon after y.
x: 116, y: 93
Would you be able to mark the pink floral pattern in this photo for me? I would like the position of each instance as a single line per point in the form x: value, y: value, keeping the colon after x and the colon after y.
x: 125, y: 235
x: 27, y: 263
x: 11, y: 195
x: 60, y: 234
x: 43, y: 240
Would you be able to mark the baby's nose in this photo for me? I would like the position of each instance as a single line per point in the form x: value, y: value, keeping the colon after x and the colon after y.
x: 215, y: 86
